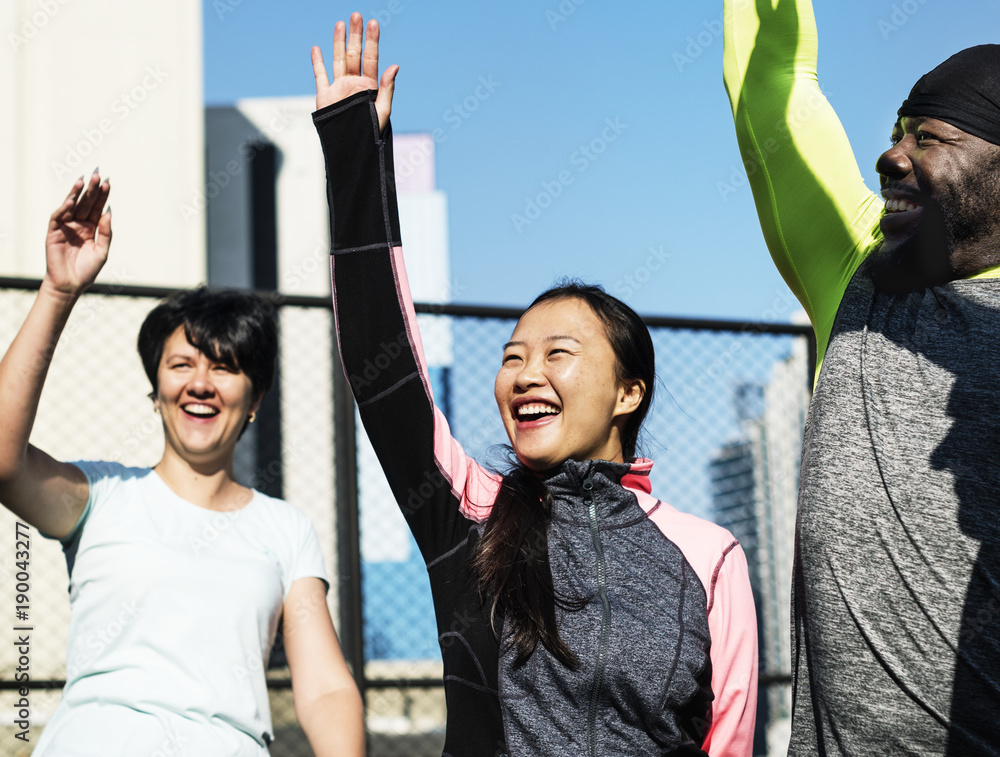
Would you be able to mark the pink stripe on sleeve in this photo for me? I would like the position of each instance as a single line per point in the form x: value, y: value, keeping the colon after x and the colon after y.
x: 410, y: 317
x: 472, y: 485
x: 475, y: 487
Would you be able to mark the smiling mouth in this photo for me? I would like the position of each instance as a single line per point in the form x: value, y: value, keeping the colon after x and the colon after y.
x: 534, y: 411
x: 900, y: 206
x: 200, y: 411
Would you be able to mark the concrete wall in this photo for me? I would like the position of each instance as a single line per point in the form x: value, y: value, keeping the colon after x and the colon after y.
x: 109, y: 83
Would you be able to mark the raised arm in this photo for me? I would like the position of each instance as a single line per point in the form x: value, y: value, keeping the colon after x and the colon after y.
x: 46, y: 493
x: 818, y: 217
x: 437, y: 487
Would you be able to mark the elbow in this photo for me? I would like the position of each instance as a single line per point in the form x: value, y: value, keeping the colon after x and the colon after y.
x: 334, y: 723
x: 343, y: 703
x: 15, y: 458
x: 10, y: 469
x: 15, y: 462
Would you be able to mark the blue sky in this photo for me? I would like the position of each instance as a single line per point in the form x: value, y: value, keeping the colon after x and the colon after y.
x: 519, y: 89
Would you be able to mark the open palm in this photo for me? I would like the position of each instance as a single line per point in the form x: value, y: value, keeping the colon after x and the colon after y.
x: 79, y: 237
x: 353, y: 71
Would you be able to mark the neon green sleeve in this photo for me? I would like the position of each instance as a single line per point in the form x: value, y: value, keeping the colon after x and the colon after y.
x: 817, y: 215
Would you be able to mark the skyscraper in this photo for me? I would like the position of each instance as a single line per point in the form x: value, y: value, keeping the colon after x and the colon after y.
x: 754, y: 479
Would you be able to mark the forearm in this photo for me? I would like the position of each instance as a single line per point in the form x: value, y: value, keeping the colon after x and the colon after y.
x: 377, y: 331
x: 371, y: 303
x: 334, y: 724
x: 22, y: 374
x: 376, y: 327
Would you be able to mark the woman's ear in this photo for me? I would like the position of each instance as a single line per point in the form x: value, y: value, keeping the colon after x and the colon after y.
x: 255, y: 404
x: 630, y: 397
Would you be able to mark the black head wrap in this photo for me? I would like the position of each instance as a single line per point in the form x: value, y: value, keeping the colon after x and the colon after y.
x: 964, y: 91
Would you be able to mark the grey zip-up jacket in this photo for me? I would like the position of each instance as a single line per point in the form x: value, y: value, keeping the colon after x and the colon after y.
x: 667, y: 638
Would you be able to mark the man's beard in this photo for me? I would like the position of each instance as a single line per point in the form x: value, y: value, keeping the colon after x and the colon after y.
x: 954, y: 239
x: 920, y: 261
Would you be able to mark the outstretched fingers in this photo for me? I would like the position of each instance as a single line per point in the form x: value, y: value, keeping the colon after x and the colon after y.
x: 353, y: 58
x: 65, y: 211
x: 355, y: 66
x: 83, y: 207
x: 103, y: 238
x: 74, y: 191
x: 383, y: 100
x: 369, y: 63
x: 89, y: 198
x: 319, y: 70
x: 339, y: 51
x: 100, y: 201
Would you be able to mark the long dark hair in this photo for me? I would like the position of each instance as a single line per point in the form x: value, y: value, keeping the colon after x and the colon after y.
x: 512, y: 561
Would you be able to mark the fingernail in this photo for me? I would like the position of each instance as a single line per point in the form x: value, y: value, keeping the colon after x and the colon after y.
x: 97, y: 171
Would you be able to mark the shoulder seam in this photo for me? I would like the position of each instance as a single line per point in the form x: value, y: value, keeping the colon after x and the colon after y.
x: 715, y: 573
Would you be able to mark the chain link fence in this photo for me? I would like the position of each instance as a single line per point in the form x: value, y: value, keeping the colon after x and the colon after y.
x: 724, y: 432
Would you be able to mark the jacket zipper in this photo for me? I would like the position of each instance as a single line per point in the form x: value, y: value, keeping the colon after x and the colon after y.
x: 602, y: 592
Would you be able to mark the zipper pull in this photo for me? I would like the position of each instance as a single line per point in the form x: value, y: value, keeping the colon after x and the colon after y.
x: 588, y: 488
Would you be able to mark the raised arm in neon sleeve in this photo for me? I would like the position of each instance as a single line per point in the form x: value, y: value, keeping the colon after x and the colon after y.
x: 818, y: 217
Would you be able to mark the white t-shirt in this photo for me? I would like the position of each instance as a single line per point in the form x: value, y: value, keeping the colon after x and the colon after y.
x: 174, y: 612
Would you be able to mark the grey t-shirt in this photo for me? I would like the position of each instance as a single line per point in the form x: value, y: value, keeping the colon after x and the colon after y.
x: 896, y: 596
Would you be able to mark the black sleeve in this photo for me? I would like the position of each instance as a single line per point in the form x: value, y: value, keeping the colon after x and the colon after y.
x: 376, y: 327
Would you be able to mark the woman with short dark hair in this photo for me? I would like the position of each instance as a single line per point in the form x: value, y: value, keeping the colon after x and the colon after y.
x: 193, y: 620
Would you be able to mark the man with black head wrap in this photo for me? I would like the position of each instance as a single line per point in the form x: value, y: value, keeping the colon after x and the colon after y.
x: 944, y: 166
x: 896, y: 583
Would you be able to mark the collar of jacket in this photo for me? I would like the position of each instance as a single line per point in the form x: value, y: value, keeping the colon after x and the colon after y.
x: 614, y: 488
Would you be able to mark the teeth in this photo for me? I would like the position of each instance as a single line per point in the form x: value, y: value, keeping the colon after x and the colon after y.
x: 537, y: 408
x: 898, y: 206
x: 200, y: 410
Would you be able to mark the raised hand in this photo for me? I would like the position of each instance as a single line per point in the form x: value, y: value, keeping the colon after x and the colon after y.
x: 79, y: 236
x: 352, y: 71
